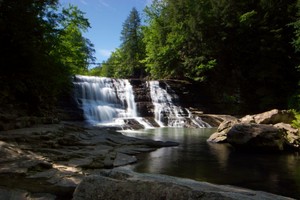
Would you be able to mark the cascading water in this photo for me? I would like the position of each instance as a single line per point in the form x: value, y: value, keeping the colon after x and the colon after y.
x: 110, y: 102
x: 105, y: 100
x: 167, y: 113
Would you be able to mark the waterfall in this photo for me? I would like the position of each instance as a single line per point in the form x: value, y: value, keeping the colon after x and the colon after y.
x: 110, y: 102
x: 167, y: 112
x: 105, y: 100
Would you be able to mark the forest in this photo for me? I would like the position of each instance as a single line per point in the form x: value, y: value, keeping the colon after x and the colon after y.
x: 246, y: 53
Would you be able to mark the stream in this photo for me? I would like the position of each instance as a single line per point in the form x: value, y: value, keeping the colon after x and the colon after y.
x: 196, y: 159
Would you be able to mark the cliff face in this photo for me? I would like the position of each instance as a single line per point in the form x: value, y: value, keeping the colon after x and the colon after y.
x: 142, y: 97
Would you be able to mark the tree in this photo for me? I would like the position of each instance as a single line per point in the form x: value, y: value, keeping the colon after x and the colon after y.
x: 71, y: 47
x: 132, y: 46
x: 240, y: 49
x: 125, y: 61
x: 34, y: 71
x: 29, y: 76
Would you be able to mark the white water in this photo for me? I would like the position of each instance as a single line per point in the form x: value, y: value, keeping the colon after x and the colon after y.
x: 110, y: 102
x: 104, y: 100
x: 166, y: 112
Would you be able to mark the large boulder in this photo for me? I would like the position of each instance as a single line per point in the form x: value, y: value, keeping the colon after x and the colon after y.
x: 266, y: 131
x: 257, y: 137
x: 270, y: 117
x: 123, y: 184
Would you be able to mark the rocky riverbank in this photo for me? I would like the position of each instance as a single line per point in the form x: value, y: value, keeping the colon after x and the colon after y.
x: 51, y: 161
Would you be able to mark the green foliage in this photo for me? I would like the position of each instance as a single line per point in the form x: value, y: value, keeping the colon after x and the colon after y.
x: 296, y: 121
x: 125, y: 61
x: 71, y: 48
x: 242, y: 48
x: 37, y: 42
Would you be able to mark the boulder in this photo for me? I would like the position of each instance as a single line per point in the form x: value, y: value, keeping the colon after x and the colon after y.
x: 124, y: 184
x: 266, y: 131
x: 256, y: 137
x: 221, y: 135
x: 270, y: 117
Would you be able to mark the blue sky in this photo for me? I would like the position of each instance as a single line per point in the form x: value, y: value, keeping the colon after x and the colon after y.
x: 106, y: 18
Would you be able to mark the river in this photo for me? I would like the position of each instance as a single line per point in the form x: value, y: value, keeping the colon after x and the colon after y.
x: 196, y: 159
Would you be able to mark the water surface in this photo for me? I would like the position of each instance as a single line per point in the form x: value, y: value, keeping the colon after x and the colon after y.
x: 219, y: 163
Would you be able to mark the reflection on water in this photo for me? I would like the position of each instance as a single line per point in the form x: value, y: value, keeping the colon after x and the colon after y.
x: 219, y: 163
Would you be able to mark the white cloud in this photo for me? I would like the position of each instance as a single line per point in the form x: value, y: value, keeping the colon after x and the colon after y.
x: 105, y: 52
x: 104, y: 3
x: 83, y: 2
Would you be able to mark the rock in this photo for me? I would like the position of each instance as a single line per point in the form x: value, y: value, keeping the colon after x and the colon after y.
x: 215, y: 120
x: 263, y: 131
x: 142, y: 97
x: 221, y: 135
x: 123, y: 159
x: 15, y: 194
x: 292, y: 135
x: 56, y: 156
x: 270, y: 117
x: 218, y: 137
x: 261, y: 137
x: 256, y: 137
x: 123, y: 184
x: 132, y: 124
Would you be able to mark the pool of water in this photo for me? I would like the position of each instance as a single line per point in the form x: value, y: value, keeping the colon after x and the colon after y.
x: 218, y: 163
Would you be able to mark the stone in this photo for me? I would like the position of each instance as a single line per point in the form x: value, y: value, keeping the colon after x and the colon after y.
x: 221, y: 135
x: 218, y: 137
x: 266, y: 131
x: 122, y: 159
x: 270, y: 117
x: 124, y: 184
x: 15, y: 194
x: 256, y: 137
x: 293, y: 135
x: 215, y: 120
x: 56, y: 156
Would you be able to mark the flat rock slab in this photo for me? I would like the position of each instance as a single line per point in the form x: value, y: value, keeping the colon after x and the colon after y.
x: 57, y: 156
x: 124, y: 184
